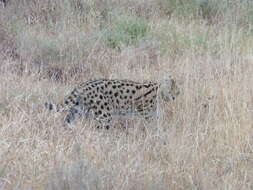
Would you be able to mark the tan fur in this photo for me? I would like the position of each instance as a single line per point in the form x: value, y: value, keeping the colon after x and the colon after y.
x: 104, y: 98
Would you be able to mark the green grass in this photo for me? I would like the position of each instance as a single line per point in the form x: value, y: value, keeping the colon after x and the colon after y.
x: 125, y: 31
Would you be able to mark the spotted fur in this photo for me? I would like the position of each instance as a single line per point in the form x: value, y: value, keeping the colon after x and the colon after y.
x: 104, y: 98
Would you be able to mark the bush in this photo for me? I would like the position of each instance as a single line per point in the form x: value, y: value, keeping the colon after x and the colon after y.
x: 39, y: 45
x: 125, y: 30
x: 180, y: 8
x: 210, y: 10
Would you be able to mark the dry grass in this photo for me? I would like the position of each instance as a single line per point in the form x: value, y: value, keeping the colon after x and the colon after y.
x: 203, y: 141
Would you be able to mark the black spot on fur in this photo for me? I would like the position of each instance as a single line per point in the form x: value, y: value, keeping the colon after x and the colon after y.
x: 144, y: 95
x: 71, y: 99
x: 116, y: 94
x: 68, y: 120
x: 114, y: 86
x: 133, y: 91
x: 147, y: 86
x: 73, y: 93
x: 49, y: 106
x: 101, y: 97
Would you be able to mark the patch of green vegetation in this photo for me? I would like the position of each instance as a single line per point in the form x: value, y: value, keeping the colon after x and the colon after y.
x: 125, y: 30
x: 210, y: 10
x: 175, y: 41
x: 42, y: 46
x: 4, y: 109
x: 180, y: 8
x: 202, y: 39
x: 39, y: 46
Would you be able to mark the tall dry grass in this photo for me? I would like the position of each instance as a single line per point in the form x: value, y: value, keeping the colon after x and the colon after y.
x: 203, y: 140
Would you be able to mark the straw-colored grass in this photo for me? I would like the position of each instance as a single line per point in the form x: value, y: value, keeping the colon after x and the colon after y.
x: 204, y: 138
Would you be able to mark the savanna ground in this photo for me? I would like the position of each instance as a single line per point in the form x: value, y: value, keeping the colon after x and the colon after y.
x: 204, y: 139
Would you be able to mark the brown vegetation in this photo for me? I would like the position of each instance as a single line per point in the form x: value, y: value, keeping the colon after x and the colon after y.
x: 204, y: 139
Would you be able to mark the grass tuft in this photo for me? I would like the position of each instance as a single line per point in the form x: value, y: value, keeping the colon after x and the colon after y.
x: 125, y: 31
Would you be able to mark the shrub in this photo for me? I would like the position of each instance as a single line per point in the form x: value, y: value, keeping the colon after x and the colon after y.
x: 210, y: 10
x: 180, y: 8
x: 125, y: 30
x: 39, y: 45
